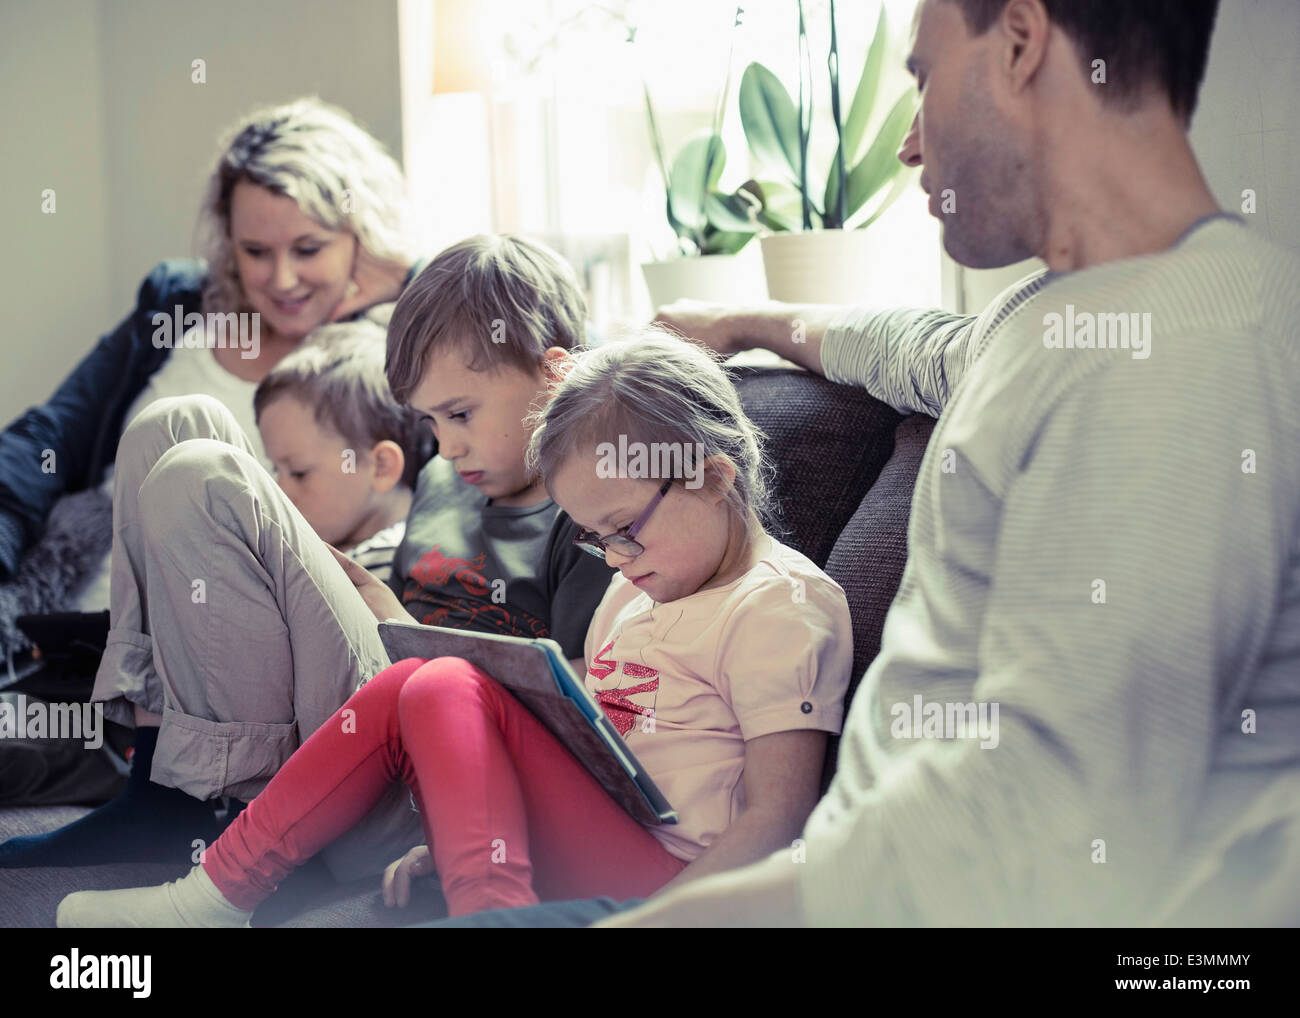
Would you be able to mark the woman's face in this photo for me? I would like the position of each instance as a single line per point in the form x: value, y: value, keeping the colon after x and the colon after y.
x: 293, y: 271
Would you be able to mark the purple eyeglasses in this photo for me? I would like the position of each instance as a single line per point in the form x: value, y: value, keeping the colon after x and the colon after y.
x: 621, y: 540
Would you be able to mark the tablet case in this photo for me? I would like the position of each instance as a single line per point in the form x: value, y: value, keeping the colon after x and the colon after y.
x: 539, y: 676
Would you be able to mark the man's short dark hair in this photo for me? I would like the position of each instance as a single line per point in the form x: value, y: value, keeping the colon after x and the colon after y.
x: 1144, y: 42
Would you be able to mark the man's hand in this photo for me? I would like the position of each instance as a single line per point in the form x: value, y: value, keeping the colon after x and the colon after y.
x: 374, y: 281
x: 791, y: 331
x: 707, y: 323
x: 761, y: 895
x: 378, y: 596
x: 418, y: 862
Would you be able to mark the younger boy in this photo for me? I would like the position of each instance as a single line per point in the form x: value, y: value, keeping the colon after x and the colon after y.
x: 341, y: 447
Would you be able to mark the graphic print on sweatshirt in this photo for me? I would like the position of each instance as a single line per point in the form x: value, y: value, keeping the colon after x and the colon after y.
x: 616, y: 700
x: 460, y: 597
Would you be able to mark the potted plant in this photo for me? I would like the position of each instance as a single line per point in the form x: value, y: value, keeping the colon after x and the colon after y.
x: 711, y: 226
x: 819, y: 250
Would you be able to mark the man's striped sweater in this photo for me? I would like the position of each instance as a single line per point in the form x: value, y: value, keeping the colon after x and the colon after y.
x: 1105, y: 544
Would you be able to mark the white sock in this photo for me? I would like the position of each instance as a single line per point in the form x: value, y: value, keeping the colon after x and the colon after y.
x: 192, y: 901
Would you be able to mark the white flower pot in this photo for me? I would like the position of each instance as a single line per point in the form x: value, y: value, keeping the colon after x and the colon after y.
x: 825, y: 266
x: 723, y: 279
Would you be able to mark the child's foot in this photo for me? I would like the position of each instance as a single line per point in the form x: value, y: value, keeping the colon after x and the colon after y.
x: 145, y: 823
x: 193, y: 902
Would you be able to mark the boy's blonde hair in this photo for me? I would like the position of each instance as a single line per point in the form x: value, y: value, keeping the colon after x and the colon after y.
x: 338, y: 372
x: 315, y: 154
x: 654, y: 387
x: 498, y: 299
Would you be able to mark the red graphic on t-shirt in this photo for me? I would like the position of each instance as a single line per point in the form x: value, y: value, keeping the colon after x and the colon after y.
x: 602, y: 667
x: 616, y: 703
x: 438, y: 569
x: 428, y: 598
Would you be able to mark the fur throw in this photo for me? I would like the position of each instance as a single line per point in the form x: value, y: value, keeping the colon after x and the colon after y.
x: 77, y: 536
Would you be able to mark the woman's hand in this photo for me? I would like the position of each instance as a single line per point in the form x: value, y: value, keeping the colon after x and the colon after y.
x: 379, y: 597
x: 705, y: 322
x: 418, y: 862
x: 374, y: 281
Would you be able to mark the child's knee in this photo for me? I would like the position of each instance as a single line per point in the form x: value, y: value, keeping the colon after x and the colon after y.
x: 442, y: 681
x: 177, y: 418
x: 189, y: 480
x: 390, y: 681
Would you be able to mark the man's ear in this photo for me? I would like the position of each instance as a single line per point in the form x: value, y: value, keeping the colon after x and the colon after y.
x: 1025, y: 31
x: 389, y: 462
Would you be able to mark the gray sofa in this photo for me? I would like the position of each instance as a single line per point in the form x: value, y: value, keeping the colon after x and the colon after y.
x: 845, y: 465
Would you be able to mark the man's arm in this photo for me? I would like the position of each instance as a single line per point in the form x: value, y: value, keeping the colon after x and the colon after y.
x: 908, y: 358
x: 792, y: 331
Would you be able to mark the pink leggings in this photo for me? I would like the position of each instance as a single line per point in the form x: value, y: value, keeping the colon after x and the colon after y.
x: 510, y: 816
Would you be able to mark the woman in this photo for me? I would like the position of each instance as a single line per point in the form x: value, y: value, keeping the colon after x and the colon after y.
x: 303, y: 223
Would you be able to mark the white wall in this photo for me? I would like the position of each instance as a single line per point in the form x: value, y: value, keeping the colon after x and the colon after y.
x: 1246, y: 131
x: 54, y: 269
x: 98, y: 98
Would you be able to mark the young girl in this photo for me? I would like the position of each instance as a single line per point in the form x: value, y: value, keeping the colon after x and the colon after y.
x: 720, y: 654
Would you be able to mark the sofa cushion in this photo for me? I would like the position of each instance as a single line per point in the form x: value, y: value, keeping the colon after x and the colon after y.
x: 826, y: 443
x: 868, y: 559
x: 844, y: 471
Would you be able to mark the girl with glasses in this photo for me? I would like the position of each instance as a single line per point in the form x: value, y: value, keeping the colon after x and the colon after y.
x: 720, y: 655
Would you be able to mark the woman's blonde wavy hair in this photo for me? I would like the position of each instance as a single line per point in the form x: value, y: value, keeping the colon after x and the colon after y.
x: 315, y: 154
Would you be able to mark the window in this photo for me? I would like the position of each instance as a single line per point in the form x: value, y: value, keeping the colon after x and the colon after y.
x: 529, y: 116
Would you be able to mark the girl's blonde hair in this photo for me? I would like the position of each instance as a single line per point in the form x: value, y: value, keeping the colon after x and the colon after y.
x: 315, y: 154
x: 654, y: 387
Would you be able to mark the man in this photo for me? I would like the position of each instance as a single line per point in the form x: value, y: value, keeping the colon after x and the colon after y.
x: 1104, y: 542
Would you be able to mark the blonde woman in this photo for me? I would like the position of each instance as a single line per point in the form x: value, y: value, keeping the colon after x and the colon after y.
x: 303, y: 223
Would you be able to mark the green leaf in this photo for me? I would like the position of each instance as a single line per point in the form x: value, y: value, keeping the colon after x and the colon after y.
x: 732, y: 212
x: 864, y: 99
x: 695, y: 172
x: 770, y: 121
x: 881, y: 164
x: 722, y: 242
x: 782, y: 210
x: 899, y: 185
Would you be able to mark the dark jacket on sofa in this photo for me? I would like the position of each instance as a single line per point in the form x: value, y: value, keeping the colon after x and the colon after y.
x: 82, y: 421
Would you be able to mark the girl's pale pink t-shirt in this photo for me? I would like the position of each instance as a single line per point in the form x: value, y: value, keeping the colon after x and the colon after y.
x: 687, y: 683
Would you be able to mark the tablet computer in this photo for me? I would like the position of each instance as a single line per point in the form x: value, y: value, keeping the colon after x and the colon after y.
x: 539, y: 676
